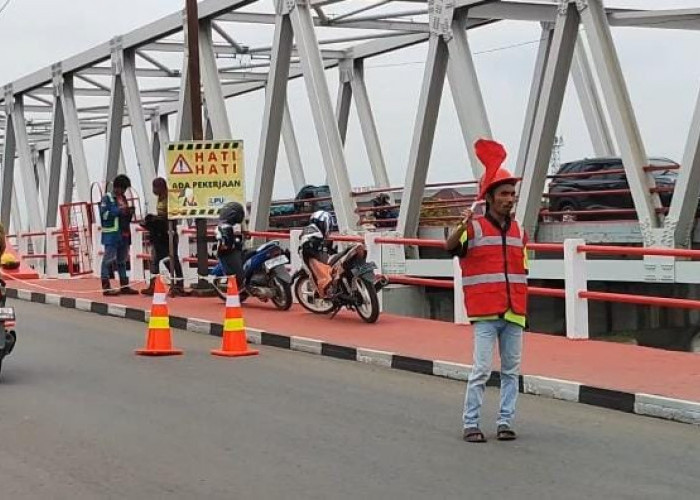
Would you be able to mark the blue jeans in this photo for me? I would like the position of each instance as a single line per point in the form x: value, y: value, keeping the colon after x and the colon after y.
x: 115, y: 254
x: 510, y: 342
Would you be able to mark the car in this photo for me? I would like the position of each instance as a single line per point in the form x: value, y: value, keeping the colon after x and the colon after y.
x: 289, y: 215
x: 603, y: 178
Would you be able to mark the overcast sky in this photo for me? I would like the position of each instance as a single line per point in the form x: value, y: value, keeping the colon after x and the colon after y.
x: 660, y: 66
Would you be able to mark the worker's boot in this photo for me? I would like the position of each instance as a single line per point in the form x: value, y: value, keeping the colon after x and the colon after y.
x: 107, y: 288
x: 151, y: 287
x: 178, y: 290
x: 125, y: 289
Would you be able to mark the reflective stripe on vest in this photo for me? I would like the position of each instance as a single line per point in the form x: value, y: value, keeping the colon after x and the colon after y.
x: 494, y: 241
x: 480, y: 279
x: 106, y: 215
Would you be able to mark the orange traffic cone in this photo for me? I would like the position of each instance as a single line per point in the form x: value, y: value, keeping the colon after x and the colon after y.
x: 158, y: 341
x: 234, y: 342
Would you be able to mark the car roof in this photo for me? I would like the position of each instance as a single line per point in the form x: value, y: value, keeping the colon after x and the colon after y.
x: 608, y: 159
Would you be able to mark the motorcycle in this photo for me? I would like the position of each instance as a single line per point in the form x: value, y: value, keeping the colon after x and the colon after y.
x: 8, y: 337
x: 264, y: 276
x: 355, y: 286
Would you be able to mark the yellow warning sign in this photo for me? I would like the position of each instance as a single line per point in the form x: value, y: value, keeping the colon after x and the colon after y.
x: 181, y: 166
x: 203, y: 176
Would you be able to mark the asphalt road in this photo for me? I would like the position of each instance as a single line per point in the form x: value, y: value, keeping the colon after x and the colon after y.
x: 81, y: 417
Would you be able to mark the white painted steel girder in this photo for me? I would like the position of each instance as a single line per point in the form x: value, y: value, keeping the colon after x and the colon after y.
x: 546, y: 116
x: 466, y: 92
x: 275, y: 99
x: 591, y: 103
x: 625, y: 126
x: 681, y: 216
x: 213, y: 93
x: 324, y: 118
x: 423, y: 134
x: 291, y: 148
x: 543, y: 49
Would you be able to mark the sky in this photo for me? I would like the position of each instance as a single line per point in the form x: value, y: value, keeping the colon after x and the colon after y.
x: 660, y: 68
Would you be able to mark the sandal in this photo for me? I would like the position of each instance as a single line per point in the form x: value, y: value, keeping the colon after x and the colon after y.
x: 505, y: 433
x: 474, y: 435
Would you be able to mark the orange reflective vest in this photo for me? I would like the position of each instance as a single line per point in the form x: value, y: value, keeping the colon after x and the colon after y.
x: 494, y: 276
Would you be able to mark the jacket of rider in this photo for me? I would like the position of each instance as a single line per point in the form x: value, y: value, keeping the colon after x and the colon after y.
x: 313, y: 244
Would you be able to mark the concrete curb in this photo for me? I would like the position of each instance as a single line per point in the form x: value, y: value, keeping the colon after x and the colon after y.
x: 640, y: 403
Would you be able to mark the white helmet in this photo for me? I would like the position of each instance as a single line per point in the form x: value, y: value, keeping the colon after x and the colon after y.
x: 323, y: 221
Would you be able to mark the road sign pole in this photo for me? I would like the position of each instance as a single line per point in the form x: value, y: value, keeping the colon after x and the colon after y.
x: 197, y: 134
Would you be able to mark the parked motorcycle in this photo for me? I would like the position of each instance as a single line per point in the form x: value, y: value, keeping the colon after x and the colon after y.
x: 8, y: 337
x: 265, y: 276
x: 355, y: 287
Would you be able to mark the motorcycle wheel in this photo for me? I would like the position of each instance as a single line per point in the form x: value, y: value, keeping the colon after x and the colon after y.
x: 283, y: 294
x: 369, y: 309
x: 306, y: 295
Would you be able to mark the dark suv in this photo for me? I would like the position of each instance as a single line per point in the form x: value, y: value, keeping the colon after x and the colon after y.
x: 603, y: 178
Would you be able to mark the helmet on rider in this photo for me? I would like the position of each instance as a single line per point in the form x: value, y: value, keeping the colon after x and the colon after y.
x: 323, y: 221
x: 232, y: 213
x: 8, y: 261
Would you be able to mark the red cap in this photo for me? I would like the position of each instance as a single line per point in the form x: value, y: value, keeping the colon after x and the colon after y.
x: 492, y: 155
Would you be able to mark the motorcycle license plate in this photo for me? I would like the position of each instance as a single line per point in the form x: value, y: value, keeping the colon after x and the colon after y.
x: 277, y: 261
x: 7, y: 313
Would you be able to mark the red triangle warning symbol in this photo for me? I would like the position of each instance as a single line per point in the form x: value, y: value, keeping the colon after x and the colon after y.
x: 181, y: 166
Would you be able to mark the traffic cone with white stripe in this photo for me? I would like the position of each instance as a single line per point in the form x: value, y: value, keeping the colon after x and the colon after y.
x: 234, y: 342
x: 158, y: 340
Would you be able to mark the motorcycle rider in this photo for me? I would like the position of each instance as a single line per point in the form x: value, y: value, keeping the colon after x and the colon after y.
x: 316, y: 250
x: 229, y: 237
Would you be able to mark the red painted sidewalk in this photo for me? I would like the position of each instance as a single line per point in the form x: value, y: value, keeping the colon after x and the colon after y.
x: 607, y: 365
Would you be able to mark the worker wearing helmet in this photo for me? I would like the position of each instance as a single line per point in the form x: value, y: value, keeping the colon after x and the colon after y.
x: 8, y: 261
x: 315, y: 249
x: 115, y: 218
x: 493, y: 259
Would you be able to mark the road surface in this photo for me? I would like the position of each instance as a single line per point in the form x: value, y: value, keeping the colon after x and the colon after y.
x: 81, y: 417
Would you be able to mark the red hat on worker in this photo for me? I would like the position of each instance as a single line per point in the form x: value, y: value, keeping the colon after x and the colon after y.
x: 492, y: 155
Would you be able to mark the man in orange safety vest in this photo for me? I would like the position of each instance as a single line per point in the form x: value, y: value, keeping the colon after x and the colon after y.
x: 493, y: 260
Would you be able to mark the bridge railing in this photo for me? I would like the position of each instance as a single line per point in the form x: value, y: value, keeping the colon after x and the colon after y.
x: 575, y: 293
x: 575, y: 253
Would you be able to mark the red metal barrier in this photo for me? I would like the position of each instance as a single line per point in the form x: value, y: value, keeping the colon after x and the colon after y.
x: 347, y: 238
x: 407, y: 280
x: 546, y: 292
x: 268, y: 234
x: 395, y: 189
x: 613, y: 250
x: 546, y: 247
x: 413, y: 242
x: 602, y: 211
x: 640, y: 299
